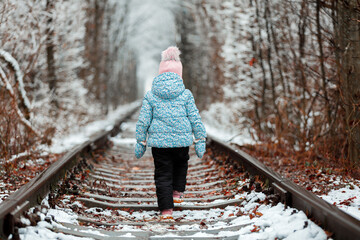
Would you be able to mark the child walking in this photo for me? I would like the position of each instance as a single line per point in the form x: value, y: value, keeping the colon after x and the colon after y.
x: 167, y: 122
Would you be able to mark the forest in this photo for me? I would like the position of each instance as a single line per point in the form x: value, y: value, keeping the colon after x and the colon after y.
x: 285, y: 73
x: 274, y: 152
x: 288, y: 70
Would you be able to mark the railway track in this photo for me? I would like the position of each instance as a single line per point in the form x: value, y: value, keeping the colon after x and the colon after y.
x: 108, y: 194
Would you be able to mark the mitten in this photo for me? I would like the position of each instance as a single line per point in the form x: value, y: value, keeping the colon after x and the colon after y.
x: 200, y: 147
x: 139, y: 150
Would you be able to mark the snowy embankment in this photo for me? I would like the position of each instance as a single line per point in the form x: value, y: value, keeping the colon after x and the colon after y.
x: 216, y: 121
x: 81, y: 134
x: 346, y: 198
x: 27, y: 169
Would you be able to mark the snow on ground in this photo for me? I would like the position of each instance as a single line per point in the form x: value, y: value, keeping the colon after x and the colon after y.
x: 347, y: 199
x: 42, y: 231
x: 239, y: 138
x: 257, y: 221
x: 123, y: 141
x: 43, y: 228
x: 5, y: 193
x: 219, y: 119
x: 64, y: 143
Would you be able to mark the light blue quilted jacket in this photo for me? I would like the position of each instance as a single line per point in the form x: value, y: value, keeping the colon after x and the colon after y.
x: 168, y: 116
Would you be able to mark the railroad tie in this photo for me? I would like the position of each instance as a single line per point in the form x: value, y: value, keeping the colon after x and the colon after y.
x: 111, y: 195
x: 123, y: 186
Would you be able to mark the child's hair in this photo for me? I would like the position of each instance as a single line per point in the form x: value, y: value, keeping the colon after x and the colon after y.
x: 170, y: 61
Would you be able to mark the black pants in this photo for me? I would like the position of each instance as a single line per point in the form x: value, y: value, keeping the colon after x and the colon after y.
x: 171, y: 166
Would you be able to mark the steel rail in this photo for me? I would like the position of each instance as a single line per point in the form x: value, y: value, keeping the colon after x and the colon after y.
x: 342, y: 225
x: 331, y: 218
x: 35, y: 190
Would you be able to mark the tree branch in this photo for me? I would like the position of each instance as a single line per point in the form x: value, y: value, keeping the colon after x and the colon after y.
x: 11, y: 92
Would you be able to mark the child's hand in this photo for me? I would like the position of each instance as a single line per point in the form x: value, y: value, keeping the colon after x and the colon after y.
x: 200, y: 147
x: 139, y: 150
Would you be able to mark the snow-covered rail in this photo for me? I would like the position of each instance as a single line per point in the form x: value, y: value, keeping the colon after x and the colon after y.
x: 110, y: 195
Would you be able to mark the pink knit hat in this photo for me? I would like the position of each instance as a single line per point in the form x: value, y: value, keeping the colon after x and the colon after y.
x: 170, y: 61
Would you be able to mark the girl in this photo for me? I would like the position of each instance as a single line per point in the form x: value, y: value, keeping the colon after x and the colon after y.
x: 168, y: 119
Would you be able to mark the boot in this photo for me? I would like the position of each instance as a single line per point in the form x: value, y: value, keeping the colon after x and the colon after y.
x: 166, y: 215
x: 178, y: 196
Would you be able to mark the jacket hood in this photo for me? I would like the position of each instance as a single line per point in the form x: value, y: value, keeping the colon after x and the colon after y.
x: 168, y: 85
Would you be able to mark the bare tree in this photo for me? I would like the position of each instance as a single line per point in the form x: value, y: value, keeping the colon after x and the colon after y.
x: 50, y: 51
x: 348, y: 60
x: 296, y: 81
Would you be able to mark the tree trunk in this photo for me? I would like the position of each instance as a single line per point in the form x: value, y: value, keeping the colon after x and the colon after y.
x: 301, y: 70
x: 261, y: 62
x: 269, y: 58
x: 348, y: 43
x: 322, y: 67
x: 50, y: 51
x: 97, y: 31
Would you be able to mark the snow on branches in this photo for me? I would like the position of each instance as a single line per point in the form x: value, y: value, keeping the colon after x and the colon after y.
x: 18, y: 76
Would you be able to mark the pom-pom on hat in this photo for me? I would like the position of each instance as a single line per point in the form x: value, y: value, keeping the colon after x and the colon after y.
x: 170, y: 61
